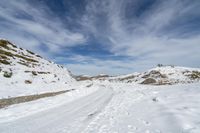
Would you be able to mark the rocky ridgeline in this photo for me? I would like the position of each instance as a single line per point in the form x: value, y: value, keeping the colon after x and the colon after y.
x: 17, y: 62
x: 162, y: 75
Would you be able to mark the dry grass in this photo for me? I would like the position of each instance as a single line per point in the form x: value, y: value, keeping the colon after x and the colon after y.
x: 6, y: 53
x: 4, y: 44
x: 194, y: 75
x: 5, y: 62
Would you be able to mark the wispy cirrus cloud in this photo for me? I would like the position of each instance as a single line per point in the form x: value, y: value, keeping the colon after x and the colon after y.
x: 100, y: 36
x: 33, y: 25
x: 156, y: 31
x: 147, y: 30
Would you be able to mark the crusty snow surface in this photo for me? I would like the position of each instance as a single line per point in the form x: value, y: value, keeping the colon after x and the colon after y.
x: 109, y: 108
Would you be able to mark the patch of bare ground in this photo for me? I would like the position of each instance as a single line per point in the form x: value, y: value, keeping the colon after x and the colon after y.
x: 22, y: 99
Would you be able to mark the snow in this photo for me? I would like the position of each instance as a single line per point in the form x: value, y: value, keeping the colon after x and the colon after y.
x: 171, y: 75
x: 176, y: 72
x: 175, y: 109
x: 21, y: 110
x: 110, y: 108
x: 53, y: 77
x: 98, y: 106
x: 70, y: 116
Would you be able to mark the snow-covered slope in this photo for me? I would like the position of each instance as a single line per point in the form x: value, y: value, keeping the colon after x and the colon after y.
x: 23, y: 72
x: 161, y: 76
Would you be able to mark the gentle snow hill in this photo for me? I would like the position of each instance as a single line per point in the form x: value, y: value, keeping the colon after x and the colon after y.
x: 160, y: 76
x: 23, y: 72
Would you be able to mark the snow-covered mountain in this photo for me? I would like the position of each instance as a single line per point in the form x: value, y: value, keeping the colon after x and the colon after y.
x: 23, y: 72
x: 161, y: 75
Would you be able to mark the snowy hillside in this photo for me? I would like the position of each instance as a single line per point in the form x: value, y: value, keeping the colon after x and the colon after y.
x: 161, y: 76
x: 23, y: 72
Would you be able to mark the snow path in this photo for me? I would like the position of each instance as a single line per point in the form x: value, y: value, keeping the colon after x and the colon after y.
x: 70, y: 117
x: 119, y: 108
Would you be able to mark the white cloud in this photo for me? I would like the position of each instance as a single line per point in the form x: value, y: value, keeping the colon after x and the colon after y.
x: 148, y: 39
x: 41, y: 26
x: 147, y: 36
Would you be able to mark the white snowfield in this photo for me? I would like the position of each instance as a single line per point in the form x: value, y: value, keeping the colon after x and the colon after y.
x: 109, y: 108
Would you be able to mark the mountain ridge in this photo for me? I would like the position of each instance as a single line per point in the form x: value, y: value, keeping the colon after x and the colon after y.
x: 24, y: 72
x: 160, y: 75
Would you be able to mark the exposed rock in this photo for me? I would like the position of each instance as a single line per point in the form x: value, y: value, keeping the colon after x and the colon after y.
x: 28, y: 82
x: 7, y: 74
x: 154, y: 74
x: 194, y: 75
x: 149, y: 81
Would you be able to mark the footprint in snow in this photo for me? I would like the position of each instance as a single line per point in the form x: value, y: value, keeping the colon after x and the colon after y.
x: 130, y: 127
x: 155, y: 99
x: 127, y: 113
x: 144, y: 122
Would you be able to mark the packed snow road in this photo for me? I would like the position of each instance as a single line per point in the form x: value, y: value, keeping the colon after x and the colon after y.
x: 70, y: 117
x: 119, y: 108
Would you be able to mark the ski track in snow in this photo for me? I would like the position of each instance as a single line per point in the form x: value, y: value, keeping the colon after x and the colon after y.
x: 119, y: 108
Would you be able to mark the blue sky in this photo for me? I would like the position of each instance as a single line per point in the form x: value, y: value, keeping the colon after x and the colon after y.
x: 106, y: 36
